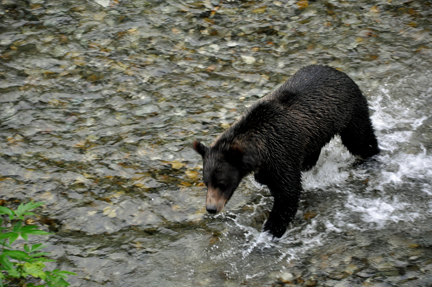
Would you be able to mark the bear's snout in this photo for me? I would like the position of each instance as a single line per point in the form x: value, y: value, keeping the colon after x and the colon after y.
x: 211, y: 208
x: 215, y: 200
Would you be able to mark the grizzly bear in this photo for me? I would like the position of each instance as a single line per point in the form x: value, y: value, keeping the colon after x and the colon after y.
x: 282, y: 135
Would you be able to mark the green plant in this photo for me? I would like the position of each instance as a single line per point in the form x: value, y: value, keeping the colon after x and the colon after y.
x: 17, y: 267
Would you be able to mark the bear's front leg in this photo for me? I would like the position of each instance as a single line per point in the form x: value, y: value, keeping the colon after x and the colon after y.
x: 275, y: 226
x: 286, y: 201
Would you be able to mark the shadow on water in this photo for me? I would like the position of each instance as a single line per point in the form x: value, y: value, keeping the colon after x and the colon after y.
x: 100, y: 102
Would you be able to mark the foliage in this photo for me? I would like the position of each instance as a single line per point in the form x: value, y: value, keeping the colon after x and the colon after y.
x: 20, y: 267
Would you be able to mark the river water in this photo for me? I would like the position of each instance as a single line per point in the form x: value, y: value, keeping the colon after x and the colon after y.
x: 101, y: 100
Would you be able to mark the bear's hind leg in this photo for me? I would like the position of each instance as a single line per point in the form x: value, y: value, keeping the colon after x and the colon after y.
x: 359, y: 136
x: 310, y: 160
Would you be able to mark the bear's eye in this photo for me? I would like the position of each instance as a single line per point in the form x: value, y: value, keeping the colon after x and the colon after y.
x: 221, y: 184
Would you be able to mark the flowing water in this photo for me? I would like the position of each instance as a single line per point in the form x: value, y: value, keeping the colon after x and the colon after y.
x: 101, y: 100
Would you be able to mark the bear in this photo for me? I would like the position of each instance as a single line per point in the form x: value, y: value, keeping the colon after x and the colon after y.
x: 282, y: 135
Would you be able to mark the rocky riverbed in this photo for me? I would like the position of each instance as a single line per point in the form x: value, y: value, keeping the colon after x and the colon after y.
x: 101, y: 100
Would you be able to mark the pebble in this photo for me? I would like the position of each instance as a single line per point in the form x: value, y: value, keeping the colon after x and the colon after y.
x: 286, y: 277
x: 248, y: 59
x: 103, y: 3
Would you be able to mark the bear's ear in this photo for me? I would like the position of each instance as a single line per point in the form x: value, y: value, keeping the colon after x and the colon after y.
x: 200, y: 148
x: 235, y: 154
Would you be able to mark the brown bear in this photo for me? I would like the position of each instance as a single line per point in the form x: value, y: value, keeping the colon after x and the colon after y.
x: 282, y: 135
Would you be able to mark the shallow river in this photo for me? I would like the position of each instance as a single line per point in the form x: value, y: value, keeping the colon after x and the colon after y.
x: 101, y: 100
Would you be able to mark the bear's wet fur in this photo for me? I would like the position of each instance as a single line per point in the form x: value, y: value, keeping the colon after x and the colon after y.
x: 282, y: 135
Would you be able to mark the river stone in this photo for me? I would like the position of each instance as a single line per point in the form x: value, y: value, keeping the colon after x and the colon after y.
x: 423, y: 282
x: 366, y: 273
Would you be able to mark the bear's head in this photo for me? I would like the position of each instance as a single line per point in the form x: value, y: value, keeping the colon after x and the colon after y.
x: 222, y: 172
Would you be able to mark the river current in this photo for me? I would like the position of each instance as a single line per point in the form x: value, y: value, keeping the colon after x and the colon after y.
x: 101, y: 100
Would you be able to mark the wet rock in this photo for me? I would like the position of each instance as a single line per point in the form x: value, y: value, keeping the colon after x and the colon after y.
x: 343, y: 284
x: 363, y: 241
x: 148, y: 109
x: 248, y: 59
x: 411, y: 275
x: 389, y: 273
x: 351, y: 269
x: 424, y: 282
x: 338, y: 275
x: 56, y: 21
x: 103, y: 3
x: 426, y: 241
x: 286, y: 277
x: 366, y: 273
x: 386, y: 266
x: 377, y: 284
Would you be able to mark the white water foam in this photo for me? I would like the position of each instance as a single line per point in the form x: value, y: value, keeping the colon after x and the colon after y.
x: 380, y: 211
x: 331, y: 168
x: 400, y: 169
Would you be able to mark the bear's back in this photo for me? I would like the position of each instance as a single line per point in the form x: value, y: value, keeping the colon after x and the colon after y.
x: 313, y: 83
x: 317, y: 101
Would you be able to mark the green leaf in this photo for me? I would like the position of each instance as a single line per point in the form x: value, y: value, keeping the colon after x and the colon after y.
x: 4, y: 243
x: 5, y: 210
x: 22, y: 209
x: 19, y: 211
x: 14, y: 273
x: 56, y: 281
x: 16, y: 254
x: 5, y: 235
x: 38, y: 232
x: 31, y: 260
x: 35, y: 269
x: 29, y: 227
x: 25, y: 231
x: 58, y: 277
x: 17, y: 226
x: 43, y: 259
x: 58, y: 272
x: 24, y: 236
x: 37, y: 247
x: 4, y: 261
x: 33, y: 205
x: 13, y: 237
